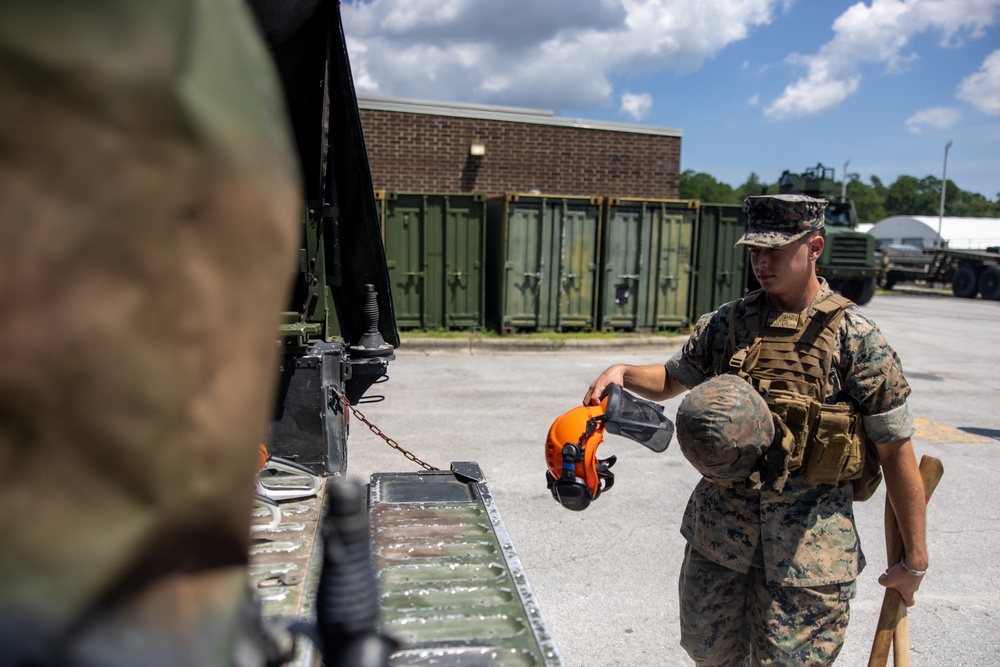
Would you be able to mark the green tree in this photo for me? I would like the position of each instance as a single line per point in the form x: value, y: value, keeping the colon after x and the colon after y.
x: 910, y: 196
x: 752, y: 188
x: 968, y: 204
x: 701, y: 186
x: 869, y: 200
x: 907, y: 195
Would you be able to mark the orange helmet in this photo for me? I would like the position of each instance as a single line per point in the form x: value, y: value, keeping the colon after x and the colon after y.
x: 575, y: 475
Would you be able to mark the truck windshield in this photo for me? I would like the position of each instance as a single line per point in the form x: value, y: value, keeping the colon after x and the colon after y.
x: 838, y: 216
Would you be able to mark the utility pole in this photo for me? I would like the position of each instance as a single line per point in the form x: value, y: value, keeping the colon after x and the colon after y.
x: 843, y: 188
x: 944, y: 184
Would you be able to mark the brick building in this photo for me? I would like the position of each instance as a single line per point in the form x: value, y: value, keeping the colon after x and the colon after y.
x: 423, y: 146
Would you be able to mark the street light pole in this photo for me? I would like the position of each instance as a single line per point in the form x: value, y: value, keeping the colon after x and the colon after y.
x: 843, y: 188
x: 944, y: 184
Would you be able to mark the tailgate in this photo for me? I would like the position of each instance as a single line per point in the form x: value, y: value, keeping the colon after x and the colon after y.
x: 453, y: 590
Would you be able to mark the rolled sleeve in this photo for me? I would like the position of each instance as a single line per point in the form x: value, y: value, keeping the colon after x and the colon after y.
x: 896, y: 424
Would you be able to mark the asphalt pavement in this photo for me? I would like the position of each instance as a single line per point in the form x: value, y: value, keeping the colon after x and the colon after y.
x: 605, y: 578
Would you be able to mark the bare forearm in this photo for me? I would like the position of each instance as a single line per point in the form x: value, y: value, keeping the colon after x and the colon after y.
x: 652, y: 382
x: 906, y: 493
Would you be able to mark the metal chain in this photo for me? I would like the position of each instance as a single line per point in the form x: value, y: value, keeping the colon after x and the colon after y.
x: 389, y: 441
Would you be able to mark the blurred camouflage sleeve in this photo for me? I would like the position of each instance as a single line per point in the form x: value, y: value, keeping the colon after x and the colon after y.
x: 150, y: 209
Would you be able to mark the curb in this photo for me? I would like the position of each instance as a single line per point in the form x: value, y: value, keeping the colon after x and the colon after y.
x: 514, y: 344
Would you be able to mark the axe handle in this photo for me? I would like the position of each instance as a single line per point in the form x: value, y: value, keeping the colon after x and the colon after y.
x: 901, y: 640
x: 894, y: 551
x: 930, y: 474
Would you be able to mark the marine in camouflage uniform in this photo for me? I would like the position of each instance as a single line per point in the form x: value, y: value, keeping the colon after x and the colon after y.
x: 768, y: 575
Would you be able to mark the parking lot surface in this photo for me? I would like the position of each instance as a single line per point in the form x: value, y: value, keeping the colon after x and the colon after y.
x: 606, y: 577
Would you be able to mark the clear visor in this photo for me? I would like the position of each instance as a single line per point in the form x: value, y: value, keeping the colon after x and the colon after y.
x: 637, y: 419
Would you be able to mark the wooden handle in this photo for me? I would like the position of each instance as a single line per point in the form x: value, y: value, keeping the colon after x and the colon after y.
x: 931, y: 471
x: 893, y: 552
x: 901, y: 640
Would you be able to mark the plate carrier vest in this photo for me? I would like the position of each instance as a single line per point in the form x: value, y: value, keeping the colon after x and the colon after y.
x: 787, y: 358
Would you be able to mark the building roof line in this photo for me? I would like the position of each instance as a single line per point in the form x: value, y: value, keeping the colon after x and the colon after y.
x: 509, y: 114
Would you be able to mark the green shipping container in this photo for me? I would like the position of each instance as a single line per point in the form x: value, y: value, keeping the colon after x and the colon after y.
x: 434, y: 247
x: 720, y: 265
x: 646, y: 267
x: 542, y: 254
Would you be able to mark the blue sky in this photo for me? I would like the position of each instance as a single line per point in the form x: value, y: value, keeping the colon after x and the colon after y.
x: 755, y: 85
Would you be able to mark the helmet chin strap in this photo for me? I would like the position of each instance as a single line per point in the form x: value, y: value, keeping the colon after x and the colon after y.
x: 604, y: 473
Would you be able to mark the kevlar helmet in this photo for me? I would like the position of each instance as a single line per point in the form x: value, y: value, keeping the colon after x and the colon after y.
x: 575, y: 475
x: 723, y: 427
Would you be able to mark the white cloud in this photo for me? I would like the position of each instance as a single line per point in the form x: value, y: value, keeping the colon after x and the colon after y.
x: 982, y: 89
x: 635, y: 106
x: 878, y: 32
x: 560, y: 54
x: 938, y: 118
x: 754, y: 100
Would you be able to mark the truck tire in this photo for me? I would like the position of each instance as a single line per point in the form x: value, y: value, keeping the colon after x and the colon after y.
x: 989, y: 283
x: 964, y: 282
x: 859, y: 290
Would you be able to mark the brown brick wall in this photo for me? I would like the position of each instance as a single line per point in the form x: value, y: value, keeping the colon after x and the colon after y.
x: 427, y: 153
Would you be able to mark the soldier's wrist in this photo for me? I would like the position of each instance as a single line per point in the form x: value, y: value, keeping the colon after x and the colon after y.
x: 912, y: 570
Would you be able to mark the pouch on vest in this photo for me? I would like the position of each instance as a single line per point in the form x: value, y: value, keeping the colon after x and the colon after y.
x: 836, y: 452
x: 772, y: 469
x: 798, y: 413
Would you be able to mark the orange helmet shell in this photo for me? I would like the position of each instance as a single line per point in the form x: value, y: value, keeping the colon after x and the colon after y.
x: 568, y: 428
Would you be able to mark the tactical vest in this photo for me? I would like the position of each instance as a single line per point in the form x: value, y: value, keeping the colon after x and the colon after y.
x: 787, y: 358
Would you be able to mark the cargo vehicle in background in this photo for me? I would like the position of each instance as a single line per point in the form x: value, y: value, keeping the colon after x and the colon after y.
x: 849, y: 262
x: 450, y: 588
x: 971, y: 272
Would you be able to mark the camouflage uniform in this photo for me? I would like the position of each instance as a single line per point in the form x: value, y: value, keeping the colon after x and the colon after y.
x: 150, y: 211
x: 775, y: 571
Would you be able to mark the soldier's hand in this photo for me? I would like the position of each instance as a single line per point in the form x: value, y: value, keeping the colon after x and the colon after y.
x: 907, y: 584
x: 613, y: 375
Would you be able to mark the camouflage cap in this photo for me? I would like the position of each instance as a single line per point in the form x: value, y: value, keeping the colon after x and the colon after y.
x: 723, y: 426
x: 776, y: 220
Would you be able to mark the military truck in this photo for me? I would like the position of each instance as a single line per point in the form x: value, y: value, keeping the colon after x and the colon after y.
x: 849, y: 262
x: 970, y: 272
x: 450, y: 588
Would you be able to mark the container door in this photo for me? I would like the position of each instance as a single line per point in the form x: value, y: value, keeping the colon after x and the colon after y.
x: 626, y: 245
x: 721, y: 265
x: 524, y: 267
x: 464, y: 219
x: 434, y: 213
x: 577, y: 225
x: 404, y: 249
x: 673, y: 236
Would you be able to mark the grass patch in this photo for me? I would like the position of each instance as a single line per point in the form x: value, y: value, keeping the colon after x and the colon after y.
x: 536, y: 335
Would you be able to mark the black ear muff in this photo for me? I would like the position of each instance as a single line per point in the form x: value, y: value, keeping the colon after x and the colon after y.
x: 571, y: 495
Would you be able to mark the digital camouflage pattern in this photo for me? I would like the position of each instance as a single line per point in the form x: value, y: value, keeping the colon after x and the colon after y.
x: 777, y: 220
x: 807, y: 533
x: 717, y: 633
x: 723, y: 425
x: 149, y: 218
